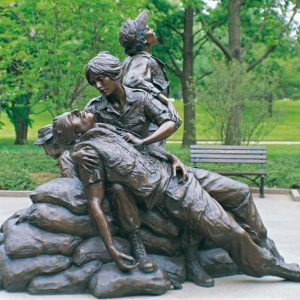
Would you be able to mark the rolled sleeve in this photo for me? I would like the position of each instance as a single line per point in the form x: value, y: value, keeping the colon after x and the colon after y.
x: 87, y: 174
x: 156, y: 111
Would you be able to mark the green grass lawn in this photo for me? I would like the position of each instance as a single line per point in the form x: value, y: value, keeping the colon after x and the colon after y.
x: 26, y: 167
x: 288, y: 128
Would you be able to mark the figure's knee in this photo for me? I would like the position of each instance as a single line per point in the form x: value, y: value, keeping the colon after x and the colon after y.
x: 245, y: 189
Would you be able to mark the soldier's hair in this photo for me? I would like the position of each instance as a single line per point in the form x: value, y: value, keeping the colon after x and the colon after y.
x: 63, y: 130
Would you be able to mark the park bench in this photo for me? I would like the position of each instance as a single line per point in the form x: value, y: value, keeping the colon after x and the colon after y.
x: 233, y: 155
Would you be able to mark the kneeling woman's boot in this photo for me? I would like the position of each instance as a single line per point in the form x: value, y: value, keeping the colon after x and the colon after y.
x: 146, y: 265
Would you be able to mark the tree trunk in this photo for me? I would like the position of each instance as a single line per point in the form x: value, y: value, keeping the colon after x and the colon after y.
x: 234, y: 28
x: 189, y: 132
x: 21, y: 130
x: 233, y: 132
x: 19, y: 115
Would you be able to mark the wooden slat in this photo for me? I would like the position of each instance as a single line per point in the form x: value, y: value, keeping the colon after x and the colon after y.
x: 240, y: 173
x: 237, y: 151
x: 227, y: 147
x: 232, y: 161
x: 220, y: 156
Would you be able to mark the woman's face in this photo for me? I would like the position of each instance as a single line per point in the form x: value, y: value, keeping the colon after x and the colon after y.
x: 81, y: 121
x: 150, y: 36
x: 105, y: 85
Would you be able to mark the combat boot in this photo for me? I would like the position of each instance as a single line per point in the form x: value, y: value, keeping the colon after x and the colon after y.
x: 146, y: 265
x: 287, y: 271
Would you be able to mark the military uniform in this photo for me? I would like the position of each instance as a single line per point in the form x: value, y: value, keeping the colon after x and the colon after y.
x: 140, y: 111
x: 151, y: 183
x: 146, y: 72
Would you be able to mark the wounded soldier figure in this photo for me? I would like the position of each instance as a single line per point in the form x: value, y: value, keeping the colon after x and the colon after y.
x: 151, y: 184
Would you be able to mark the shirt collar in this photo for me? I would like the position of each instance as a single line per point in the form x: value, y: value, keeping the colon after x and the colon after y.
x: 130, y: 100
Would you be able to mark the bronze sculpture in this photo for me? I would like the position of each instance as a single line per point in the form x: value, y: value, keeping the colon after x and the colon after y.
x: 188, y: 202
x: 113, y: 154
x: 132, y: 110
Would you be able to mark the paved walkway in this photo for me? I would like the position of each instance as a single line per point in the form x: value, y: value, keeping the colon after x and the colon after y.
x: 282, y: 218
x: 251, y: 143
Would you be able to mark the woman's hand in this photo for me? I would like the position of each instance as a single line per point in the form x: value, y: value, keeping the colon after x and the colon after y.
x: 130, y: 138
x: 179, y: 169
x: 123, y: 261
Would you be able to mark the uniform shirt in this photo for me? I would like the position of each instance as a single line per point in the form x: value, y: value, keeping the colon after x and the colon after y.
x: 119, y: 162
x: 66, y: 165
x: 145, y: 72
x: 141, y: 110
x: 147, y: 178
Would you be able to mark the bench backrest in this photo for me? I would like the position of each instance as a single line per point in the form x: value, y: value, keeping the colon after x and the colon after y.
x: 228, y: 154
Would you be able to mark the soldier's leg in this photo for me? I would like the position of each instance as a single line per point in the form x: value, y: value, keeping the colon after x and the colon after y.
x: 236, y: 197
x: 252, y: 259
x: 206, y: 216
x: 129, y: 219
x: 194, y: 270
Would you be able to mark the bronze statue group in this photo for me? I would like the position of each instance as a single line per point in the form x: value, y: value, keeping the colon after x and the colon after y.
x: 115, y: 146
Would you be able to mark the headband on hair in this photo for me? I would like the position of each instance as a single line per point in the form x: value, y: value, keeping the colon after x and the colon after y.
x: 104, y: 64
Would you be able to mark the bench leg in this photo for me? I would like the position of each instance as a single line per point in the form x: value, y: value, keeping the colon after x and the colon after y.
x: 261, y: 188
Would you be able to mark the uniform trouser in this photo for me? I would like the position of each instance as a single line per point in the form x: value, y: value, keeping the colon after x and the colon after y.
x: 203, y: 215
x: 232, y: 195
x: 235, y: 197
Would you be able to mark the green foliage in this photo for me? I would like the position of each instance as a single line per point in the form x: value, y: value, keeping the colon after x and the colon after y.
x: 45, y: 46
x: 290, y: 76
x: 26, y: 167
x: 230, y: 88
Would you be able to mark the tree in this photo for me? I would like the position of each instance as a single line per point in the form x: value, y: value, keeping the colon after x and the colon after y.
x: 16, y: 71
x: 231, y: 85
x: 180, y: 44
x: 44, y: 48
x: 270, y: 31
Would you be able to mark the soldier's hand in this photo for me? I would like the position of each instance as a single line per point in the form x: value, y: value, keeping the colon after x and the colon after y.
x: 123, y: 261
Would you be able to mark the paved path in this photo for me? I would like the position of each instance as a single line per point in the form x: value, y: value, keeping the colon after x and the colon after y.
x: 282, y: 218
x: 251, y: 143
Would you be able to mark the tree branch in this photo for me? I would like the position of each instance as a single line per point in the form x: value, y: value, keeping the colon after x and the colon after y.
x: 259, y: 31
x: 178, y: 71
x: 271, y: 48
x: 197, y: 52
x: 198, y: 31
x: 175, y: 30
x: 216, y: 40
x: 204, y: 75
x: 200, y: 40
x: 260, y: 59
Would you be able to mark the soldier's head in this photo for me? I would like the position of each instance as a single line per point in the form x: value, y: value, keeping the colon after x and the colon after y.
x: 46, y: 140
x: 104, y: 73
x: 136, y: 35
x: 70, y: 125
